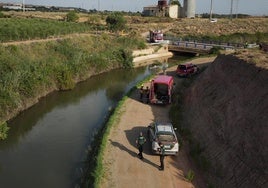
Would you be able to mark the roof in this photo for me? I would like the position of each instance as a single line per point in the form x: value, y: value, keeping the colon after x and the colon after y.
x: 163, y: 79
x: 187, y: 63
x: 164, y: 128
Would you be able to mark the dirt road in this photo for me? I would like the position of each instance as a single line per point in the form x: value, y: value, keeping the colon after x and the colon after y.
x: 122, y: 166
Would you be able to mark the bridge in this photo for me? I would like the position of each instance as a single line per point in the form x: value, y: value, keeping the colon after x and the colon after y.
x: 197, y: 47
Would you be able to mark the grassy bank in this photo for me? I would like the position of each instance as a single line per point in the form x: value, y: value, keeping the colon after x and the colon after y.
x: 28, y: 72
x: 94, y: 168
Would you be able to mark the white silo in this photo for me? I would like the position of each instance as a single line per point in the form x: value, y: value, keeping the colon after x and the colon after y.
x: 189, y: 8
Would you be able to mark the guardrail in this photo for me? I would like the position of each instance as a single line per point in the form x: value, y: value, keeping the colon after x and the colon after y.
x: 200, y: 45
x: 196, y: 47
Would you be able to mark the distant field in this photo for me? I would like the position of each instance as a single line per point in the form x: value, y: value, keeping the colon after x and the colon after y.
x: 32, y: 25
x: 16, y: 29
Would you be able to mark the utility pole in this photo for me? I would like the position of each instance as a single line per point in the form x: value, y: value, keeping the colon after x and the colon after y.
x: 237, y: 8
x: 231, y: 11
x: 210, y: 17
x: 23, y: 6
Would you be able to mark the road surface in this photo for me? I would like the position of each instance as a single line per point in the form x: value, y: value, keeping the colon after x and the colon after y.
x: 122, y: 166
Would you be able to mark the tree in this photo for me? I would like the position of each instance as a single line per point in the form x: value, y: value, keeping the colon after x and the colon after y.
x: 2, y: 15
x: 116, y: 21
x: 72, y: 16
x: 175, y: 2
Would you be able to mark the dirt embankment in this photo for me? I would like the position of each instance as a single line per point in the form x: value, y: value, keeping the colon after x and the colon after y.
x: 226, y: 111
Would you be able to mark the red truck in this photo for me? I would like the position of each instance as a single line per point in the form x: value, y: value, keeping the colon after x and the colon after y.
x: 156, y: 36
x: 161, y: 90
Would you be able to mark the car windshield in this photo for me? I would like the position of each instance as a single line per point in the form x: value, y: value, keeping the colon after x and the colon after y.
x: 166, y: 137
x: 182, y: 67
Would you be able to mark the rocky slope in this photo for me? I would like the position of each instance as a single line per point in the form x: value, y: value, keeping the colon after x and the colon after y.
x: 226, y: 111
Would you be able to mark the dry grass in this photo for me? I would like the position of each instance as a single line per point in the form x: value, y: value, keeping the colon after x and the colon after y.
x: 255, y: 56
x: 198, y: 26
x: 222, y: 27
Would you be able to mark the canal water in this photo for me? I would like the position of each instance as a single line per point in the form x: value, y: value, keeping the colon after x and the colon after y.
x: 48, y: 143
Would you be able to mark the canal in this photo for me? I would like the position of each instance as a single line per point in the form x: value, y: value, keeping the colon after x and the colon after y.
x: 47, y: 144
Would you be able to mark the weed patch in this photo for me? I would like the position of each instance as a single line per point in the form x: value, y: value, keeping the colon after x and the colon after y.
x: 3, y: 131
x: 190, y: 176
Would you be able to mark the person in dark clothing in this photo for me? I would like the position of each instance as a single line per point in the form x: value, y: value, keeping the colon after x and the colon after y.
x: 147, y: 93
x: 162, y: 156
x: 141, y: 92
x: 140, y: 141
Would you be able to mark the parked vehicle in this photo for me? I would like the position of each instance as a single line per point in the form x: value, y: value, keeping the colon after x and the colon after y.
x: 163, y: 133
x: 187, y: 69
x: 156, y: 36
x: 161, y: 90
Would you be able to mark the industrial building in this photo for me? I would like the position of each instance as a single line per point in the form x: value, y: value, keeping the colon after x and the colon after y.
x: 165, y: 9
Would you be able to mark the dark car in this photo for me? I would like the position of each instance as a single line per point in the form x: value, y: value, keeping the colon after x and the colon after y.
x: 187, y: 69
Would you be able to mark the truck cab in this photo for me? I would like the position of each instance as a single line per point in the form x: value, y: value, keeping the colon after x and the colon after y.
x: 156, y: 36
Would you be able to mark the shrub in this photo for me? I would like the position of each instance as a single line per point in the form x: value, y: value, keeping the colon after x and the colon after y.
x: 215, y: 50
x: 126, y: 58
x: 116, y: 21
x: 72, y: 16
x: 65, y: 79
x: 3, y: 131
x: 175, y: 2
x: 2, y: 15
x: 190, y: 176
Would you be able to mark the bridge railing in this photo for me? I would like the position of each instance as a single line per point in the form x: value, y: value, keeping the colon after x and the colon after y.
x: 198, y: 45
x: 233, y: 44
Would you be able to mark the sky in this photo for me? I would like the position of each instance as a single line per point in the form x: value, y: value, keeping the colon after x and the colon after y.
x: 252, y: 7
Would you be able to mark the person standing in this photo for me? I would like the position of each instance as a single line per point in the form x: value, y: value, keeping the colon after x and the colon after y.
x: 162, y: 156
x: 147, y: 93
x: 141, y: 92
x: 164, y: 67
x: 140, y: 141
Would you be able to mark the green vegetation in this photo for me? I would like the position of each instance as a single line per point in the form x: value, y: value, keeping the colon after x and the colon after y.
x: 190, y: 176
x: 3, y: 130
x: 30, y: 71
x: 100, y: 143
x: 207, y: 15
x: 99, y: 171
x: 72, y: 16
x: 175, y: 2
x: 116, y: 21
x: 16, y: 29
x: 240, y: 38
x: 2, y: 15
x: 215, y: 50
